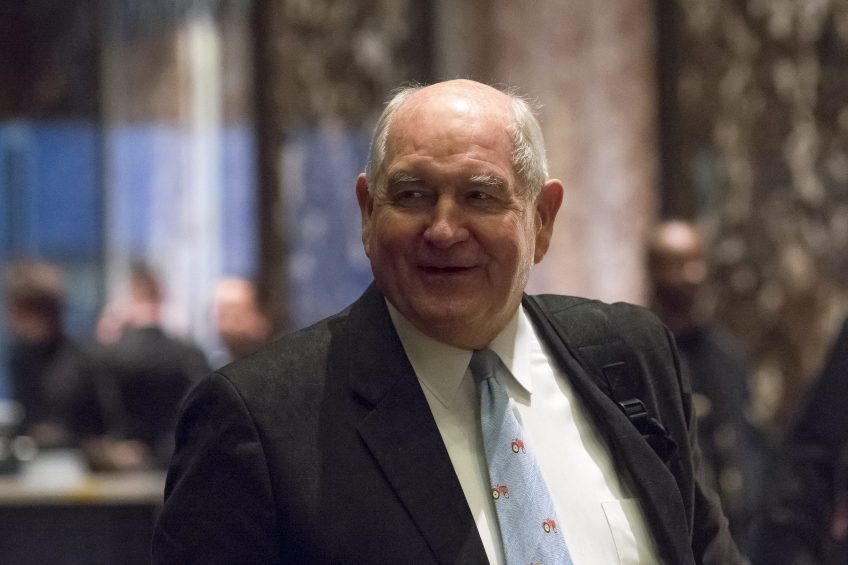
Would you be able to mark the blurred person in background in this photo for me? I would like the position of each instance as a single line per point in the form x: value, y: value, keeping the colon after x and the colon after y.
x: 141, y: 375
x: 805, y: 517
x: 240, y: 320
x: 45, y: 365
x: 733, y: 448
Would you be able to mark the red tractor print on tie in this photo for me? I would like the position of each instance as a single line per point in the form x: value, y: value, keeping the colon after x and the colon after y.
x: 500, y: 491
x: 549, y: 525
x: 518, y: 445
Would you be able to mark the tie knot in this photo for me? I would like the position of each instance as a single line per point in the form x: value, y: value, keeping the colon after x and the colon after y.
x: 484, y: 364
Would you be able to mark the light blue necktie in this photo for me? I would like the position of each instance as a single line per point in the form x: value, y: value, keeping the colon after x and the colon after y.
x: 529, y: 528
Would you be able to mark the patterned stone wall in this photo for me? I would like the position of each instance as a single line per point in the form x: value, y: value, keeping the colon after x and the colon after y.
x: 338, y: 60
x: 755, y: 146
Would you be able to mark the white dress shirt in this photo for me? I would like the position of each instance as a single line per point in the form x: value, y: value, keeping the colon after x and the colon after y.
x: 601, y: 521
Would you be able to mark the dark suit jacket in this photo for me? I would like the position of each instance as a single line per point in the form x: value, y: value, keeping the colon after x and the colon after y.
x: 321, y: 448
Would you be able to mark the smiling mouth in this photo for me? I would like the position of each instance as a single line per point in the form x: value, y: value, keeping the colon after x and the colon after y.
x: 444, y: 270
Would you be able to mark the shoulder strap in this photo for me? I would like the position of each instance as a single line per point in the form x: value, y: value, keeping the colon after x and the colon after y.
x: 610, y: 360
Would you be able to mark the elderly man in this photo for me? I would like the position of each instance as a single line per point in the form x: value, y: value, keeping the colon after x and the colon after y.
x: 446, y: 417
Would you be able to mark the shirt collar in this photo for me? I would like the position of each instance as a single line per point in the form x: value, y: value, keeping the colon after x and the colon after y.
x: 441, y: 367
x: 514, y: 345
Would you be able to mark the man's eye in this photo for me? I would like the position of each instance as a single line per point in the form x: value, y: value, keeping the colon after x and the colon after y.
x: 482, y: 198
x: 410, y: 197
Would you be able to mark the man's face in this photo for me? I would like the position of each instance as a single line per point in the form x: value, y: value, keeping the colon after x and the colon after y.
x: 240, y: 324
x: 677, y: 267
x: 450, y: 235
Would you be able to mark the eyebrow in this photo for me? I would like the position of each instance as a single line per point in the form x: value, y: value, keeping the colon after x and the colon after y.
x: 488, y: 179
x: 399, y: 177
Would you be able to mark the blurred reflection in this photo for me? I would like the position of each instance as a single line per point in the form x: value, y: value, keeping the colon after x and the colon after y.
x: 240, y: 321
x: 733, y: 448
x: 46, y: 366
x: 140, y: 376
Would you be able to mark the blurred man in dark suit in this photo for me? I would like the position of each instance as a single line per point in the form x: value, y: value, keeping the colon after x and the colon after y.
x: 733, y: 448
x: 141, y: 375
x: 46, y: 366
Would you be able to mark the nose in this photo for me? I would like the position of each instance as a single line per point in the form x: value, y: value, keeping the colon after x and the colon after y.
x: 447, y: 225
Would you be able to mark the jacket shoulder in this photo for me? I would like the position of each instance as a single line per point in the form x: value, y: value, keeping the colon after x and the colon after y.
x: 593, y: 319
x: 290, y: 360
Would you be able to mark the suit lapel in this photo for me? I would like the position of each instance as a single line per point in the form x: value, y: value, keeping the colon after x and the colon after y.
x: 402, y: 435
x: 655, y: 484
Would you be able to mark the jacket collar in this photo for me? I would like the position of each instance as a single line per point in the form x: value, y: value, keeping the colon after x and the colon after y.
x: 402, y: 435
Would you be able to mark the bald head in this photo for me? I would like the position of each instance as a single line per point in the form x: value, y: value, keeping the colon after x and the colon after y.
x: 676, y: 237
x: 241, y: 324
x: 677, y: 266
x: 465, y: 97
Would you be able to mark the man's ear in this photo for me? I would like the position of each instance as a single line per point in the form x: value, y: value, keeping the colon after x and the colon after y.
x: 547, y: 206
x: 366, y: 206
